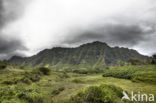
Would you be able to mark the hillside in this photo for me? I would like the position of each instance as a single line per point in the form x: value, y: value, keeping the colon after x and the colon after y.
x: 91, y: 54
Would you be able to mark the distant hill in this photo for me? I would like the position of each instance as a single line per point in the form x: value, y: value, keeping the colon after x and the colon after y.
x: 90, y: 55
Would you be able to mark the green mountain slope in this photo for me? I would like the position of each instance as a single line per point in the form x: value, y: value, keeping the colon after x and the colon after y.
x: 90, y: 54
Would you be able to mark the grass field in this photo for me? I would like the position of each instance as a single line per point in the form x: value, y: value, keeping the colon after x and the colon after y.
x: 59, y: 87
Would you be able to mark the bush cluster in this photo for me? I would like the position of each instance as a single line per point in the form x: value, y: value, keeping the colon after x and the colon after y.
x: 26, y: 78
x: 44, y: 70
x: 98, y: 94
x: 9, y: 94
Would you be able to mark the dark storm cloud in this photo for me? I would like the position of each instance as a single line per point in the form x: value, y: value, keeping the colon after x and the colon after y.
x: 10, y: 10
x: 11, y: 47
x: 8, y: 46
x: 1, y: 15
x: 114, y: 34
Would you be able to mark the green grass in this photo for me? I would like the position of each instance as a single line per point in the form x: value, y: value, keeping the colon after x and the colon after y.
x: 59, y: 87
x: 140, y: 73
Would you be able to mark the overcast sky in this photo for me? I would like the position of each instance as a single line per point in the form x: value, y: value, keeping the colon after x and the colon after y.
x: 29, y: 26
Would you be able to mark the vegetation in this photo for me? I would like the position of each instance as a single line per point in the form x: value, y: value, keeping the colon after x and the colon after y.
x: 90, y: 55
x: 30, y: 85
x: 77, y: 80
x: 98, y: 94
x: 44, y: 70
x: 3, y: 65
x: 136, y: 61
x: 77, y: 75
x: 153, y: 59
x: 88, y: 71
x: 11, y: 94
x: 57, y: 91
x: 144, y: 73
x: 24, y: 77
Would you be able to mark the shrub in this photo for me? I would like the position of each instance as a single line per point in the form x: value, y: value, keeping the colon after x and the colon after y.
x: 77, y: 80
x: 26, y: 77
x: 9, y: 82
x: 26, y: 80
x: 145, y: 77
x: 29, y: 95
x: 22, y: 67
x: 6, y: 93
x: 89, y: 70
x: 2, y: 65
x: 124, y: 73
x: 33, y: 76
x: 44, y: 70
x: 98, y: 94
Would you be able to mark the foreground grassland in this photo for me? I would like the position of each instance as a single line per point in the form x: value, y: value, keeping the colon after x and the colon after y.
x: 24, y: 85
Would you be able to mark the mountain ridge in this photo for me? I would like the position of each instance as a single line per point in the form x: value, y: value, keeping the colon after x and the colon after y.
x: 90, y: 54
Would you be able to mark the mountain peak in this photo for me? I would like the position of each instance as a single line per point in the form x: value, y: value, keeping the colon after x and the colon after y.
x: 95, y: 43
x: 99, y: 42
